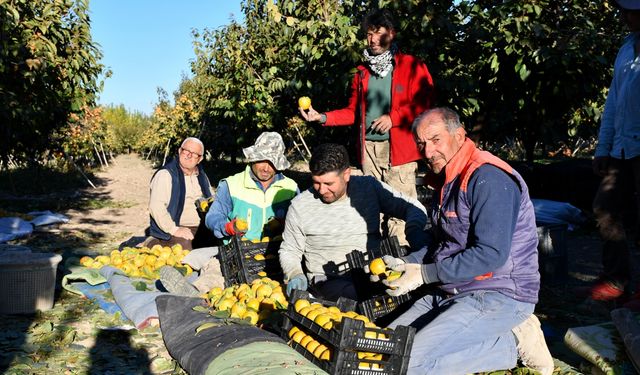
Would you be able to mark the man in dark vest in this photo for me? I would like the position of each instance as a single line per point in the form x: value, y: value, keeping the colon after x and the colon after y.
x: 174, y: 190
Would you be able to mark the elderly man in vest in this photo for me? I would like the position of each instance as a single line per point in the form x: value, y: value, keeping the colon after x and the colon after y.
x: 259, y: 195
x: 174, y: 190
x: 482, y: 257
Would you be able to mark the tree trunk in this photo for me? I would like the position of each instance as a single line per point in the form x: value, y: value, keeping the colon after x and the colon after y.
x: 95, y: 148
x: 104, y: 155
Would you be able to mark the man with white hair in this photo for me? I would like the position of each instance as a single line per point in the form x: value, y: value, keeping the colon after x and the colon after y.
x: 174, y: 190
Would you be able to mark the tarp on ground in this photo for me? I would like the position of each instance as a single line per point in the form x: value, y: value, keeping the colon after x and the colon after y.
x: 601, y: 345
x: 225, y: 348
x: 114, y: 291
x: 12, y: 228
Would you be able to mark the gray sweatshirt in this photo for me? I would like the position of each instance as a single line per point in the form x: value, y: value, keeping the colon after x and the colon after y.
x: 324, y: 233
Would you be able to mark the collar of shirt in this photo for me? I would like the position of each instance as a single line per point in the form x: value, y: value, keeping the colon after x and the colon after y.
x: 278, y: 176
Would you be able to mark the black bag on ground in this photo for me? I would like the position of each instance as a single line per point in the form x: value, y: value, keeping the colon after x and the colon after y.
x: 194, y: 352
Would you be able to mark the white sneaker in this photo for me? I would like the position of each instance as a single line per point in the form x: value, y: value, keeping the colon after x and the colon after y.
x: 532, y: 349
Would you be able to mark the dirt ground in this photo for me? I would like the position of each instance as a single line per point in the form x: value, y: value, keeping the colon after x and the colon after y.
x: 126, y: 183
x: 116, y: 212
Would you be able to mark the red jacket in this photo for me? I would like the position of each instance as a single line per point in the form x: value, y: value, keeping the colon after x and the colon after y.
x: 411, y: 94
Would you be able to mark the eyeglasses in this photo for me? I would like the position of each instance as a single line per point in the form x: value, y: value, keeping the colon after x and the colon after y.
x: 189, y: 154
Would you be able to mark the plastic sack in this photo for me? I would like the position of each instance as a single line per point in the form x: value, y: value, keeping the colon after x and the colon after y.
x: 47, y: 218
x: 14, y: 227
x: 551, y: 212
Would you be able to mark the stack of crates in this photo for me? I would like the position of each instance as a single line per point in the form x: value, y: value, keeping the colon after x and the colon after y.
x: 245, y: 261
x: 378, y: 303
x: 349, y: 347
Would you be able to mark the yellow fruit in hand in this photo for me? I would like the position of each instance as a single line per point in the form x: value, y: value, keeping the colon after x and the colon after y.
x: 242, y: 225
x: 304, y: 103
x: 393, y: 275
x: 377, y: 266
x: 203, y: 205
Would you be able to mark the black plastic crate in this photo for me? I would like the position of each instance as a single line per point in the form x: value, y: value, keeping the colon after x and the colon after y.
x: 347, y: 338
x: 239, y: 264
x: 345, y: 362
x: 377, y: 303
x: 381, y: 305
x: 388, y: 246
x: 350, y: 333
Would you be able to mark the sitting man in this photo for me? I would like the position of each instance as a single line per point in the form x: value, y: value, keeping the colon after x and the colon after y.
x: 482, y: 253
x: 338, y: 214
x: 259, y: 195
x: 174, y: 190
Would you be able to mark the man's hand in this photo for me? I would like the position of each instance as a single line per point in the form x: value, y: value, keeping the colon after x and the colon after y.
x: 310, y: 114
x: 410, y: 280
x: 233, y: 230
x: 382, y: 124
x: 389, y: 261
x: 600, y: 165
x: 183, y: 232
x: 298, y: 282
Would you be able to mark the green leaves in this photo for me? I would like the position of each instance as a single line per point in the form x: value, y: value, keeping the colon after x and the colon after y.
x: 51, y: 69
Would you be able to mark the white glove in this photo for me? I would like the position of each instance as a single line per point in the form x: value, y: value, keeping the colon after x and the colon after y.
x: 410, y: 280
x: 389, y: 261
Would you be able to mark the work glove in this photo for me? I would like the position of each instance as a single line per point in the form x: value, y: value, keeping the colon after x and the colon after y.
x: 233, y: 229
x: 410, y: 280
x: 389, y: 261
x: 298, y: 282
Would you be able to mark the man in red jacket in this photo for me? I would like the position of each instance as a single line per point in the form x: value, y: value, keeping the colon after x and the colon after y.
x: 387, y: 93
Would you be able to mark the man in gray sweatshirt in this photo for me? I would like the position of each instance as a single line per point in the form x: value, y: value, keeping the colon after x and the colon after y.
x: 338, y: 214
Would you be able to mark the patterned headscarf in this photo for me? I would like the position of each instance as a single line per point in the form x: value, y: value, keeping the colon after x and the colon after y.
x: 381, y: 64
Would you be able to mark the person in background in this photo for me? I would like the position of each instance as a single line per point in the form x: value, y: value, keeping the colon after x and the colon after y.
x: 388, y: 91
x: 617, y: 161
